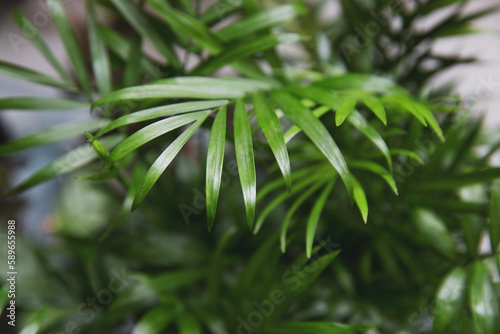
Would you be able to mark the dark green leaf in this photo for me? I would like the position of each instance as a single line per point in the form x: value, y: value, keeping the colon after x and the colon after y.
x: 312, y: 222
x: 33, y: 76
x: 450, y: 297
x: 495, y: 215
x: 155, y: 321
x: 483, y: 301
x: 40, y: 103
x: 345, y: 109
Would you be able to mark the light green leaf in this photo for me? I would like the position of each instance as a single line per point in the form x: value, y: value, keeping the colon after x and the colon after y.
x: 377, y: 169
x: 151, y: 132
x: 312, y: 222
x: 405, y: 103
x: 360, y: 198
x: 483, y: 301
x: 187, y: 324
x: 495, y: 215
x: 69, y: 162
x: 374, y: 104
x: 244, y: 156
x: 70, y: 44
x: 172, y: 279
x: 164, y: 160
x: 35, y: 324
x: 294, y: 130
x: 431, y: 120
x: 450, y: 298
x: 155, y: 321
x: 178, y: 91
x: 219, y: 10
x: 359, y: 122
x: 215, y: 160
x: 434, y: 232
x: 345, y: 109
x: 141, y: 24
x: 271, y: 126
x: 40, y: 103
x: 33, y: 76
x: 99, y: 54
x: 358, y: 81
x: 33, y: 35
x: 162, y: 111
x: 188, y: 25
x: 317, y: 132
x: 243, y: 50
x: 240, y: 84
x: 261, y: 20
x: 51, y: 135
x: 408, y: 153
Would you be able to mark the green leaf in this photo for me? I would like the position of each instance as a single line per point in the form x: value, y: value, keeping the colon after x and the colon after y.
x: 151, y: 132
x: 155, y: 321
x: 295, y: 206
x: 33, y: 76
x: 35, y: 324
x: 358, y: 81
x: 312, y: 222
x: 164, y: 160
x: 377, y: 169
x: 188, y: 25
x: 4, y: 296
x: 360, y: 199
x: 219, y: 10
x: 70, y: 44
x: 172, y: 280
x: 243, y: 50
x: 345, y: 109
x: 495, y: 215
x: 215, y: 160
x: 162, y: 111
x: 449, y: 300
x: 405, y: 103
x: 244, y: 156
x: 359, y: 122
x: 261, y: 20
x: 374, y: 104
x: 142, y: 25
x: 483, y: 301
x: 297, y: 327
x: 434, y: 232
x: 51, y: 135
x: 462, y: 180
x: 431, y: 120
x: 69, y: 162
x: 99, y: 54
x: 271, y: 126
x: 408, y: 153
x: 241, y: 84
x: 187, y: 324
x: 178, y: 91
x: 40, y: 103
x: 317, y: 132
x: 32, y: 33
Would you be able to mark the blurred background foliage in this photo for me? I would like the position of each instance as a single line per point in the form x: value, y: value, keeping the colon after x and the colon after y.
x: 426, y: 261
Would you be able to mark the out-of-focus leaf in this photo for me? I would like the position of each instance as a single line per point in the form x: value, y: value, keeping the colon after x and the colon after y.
x: 70, y: 44
x: 244, y: 156
x: 164, y: 160
x: 312, y: 222
x: 173, y: 279
x: 243, y: 50
x: 40, y: 103
x: 35, y: 39
x: 374, y: 104
x: 462, y: 180
x: 99, y: 54
x: 34, y: 325
x: 408, y: 153
x: 357, y: 81
x: 151, y: 132
x: 141, y: 24
x: 377, y: 169
x: 483, y: 301
x: 405, y: 103
x: 260, y: 20
x: 188, y: 25
x: 295, y: 327
x: 317, y: 132
x: 51, y: 135
x: 67, y: 163
x: 188, y: 324
x: 450, y: 298
x: 240, y: 84
x: 271, y: 127
x: 155, y: 321
x: 495, y: 215
x: 162, y: 111
x: 215, y: 159
x: 33, y: 76
x: 345, y: 109
x: 434, y: 232
x: 219, y: 10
